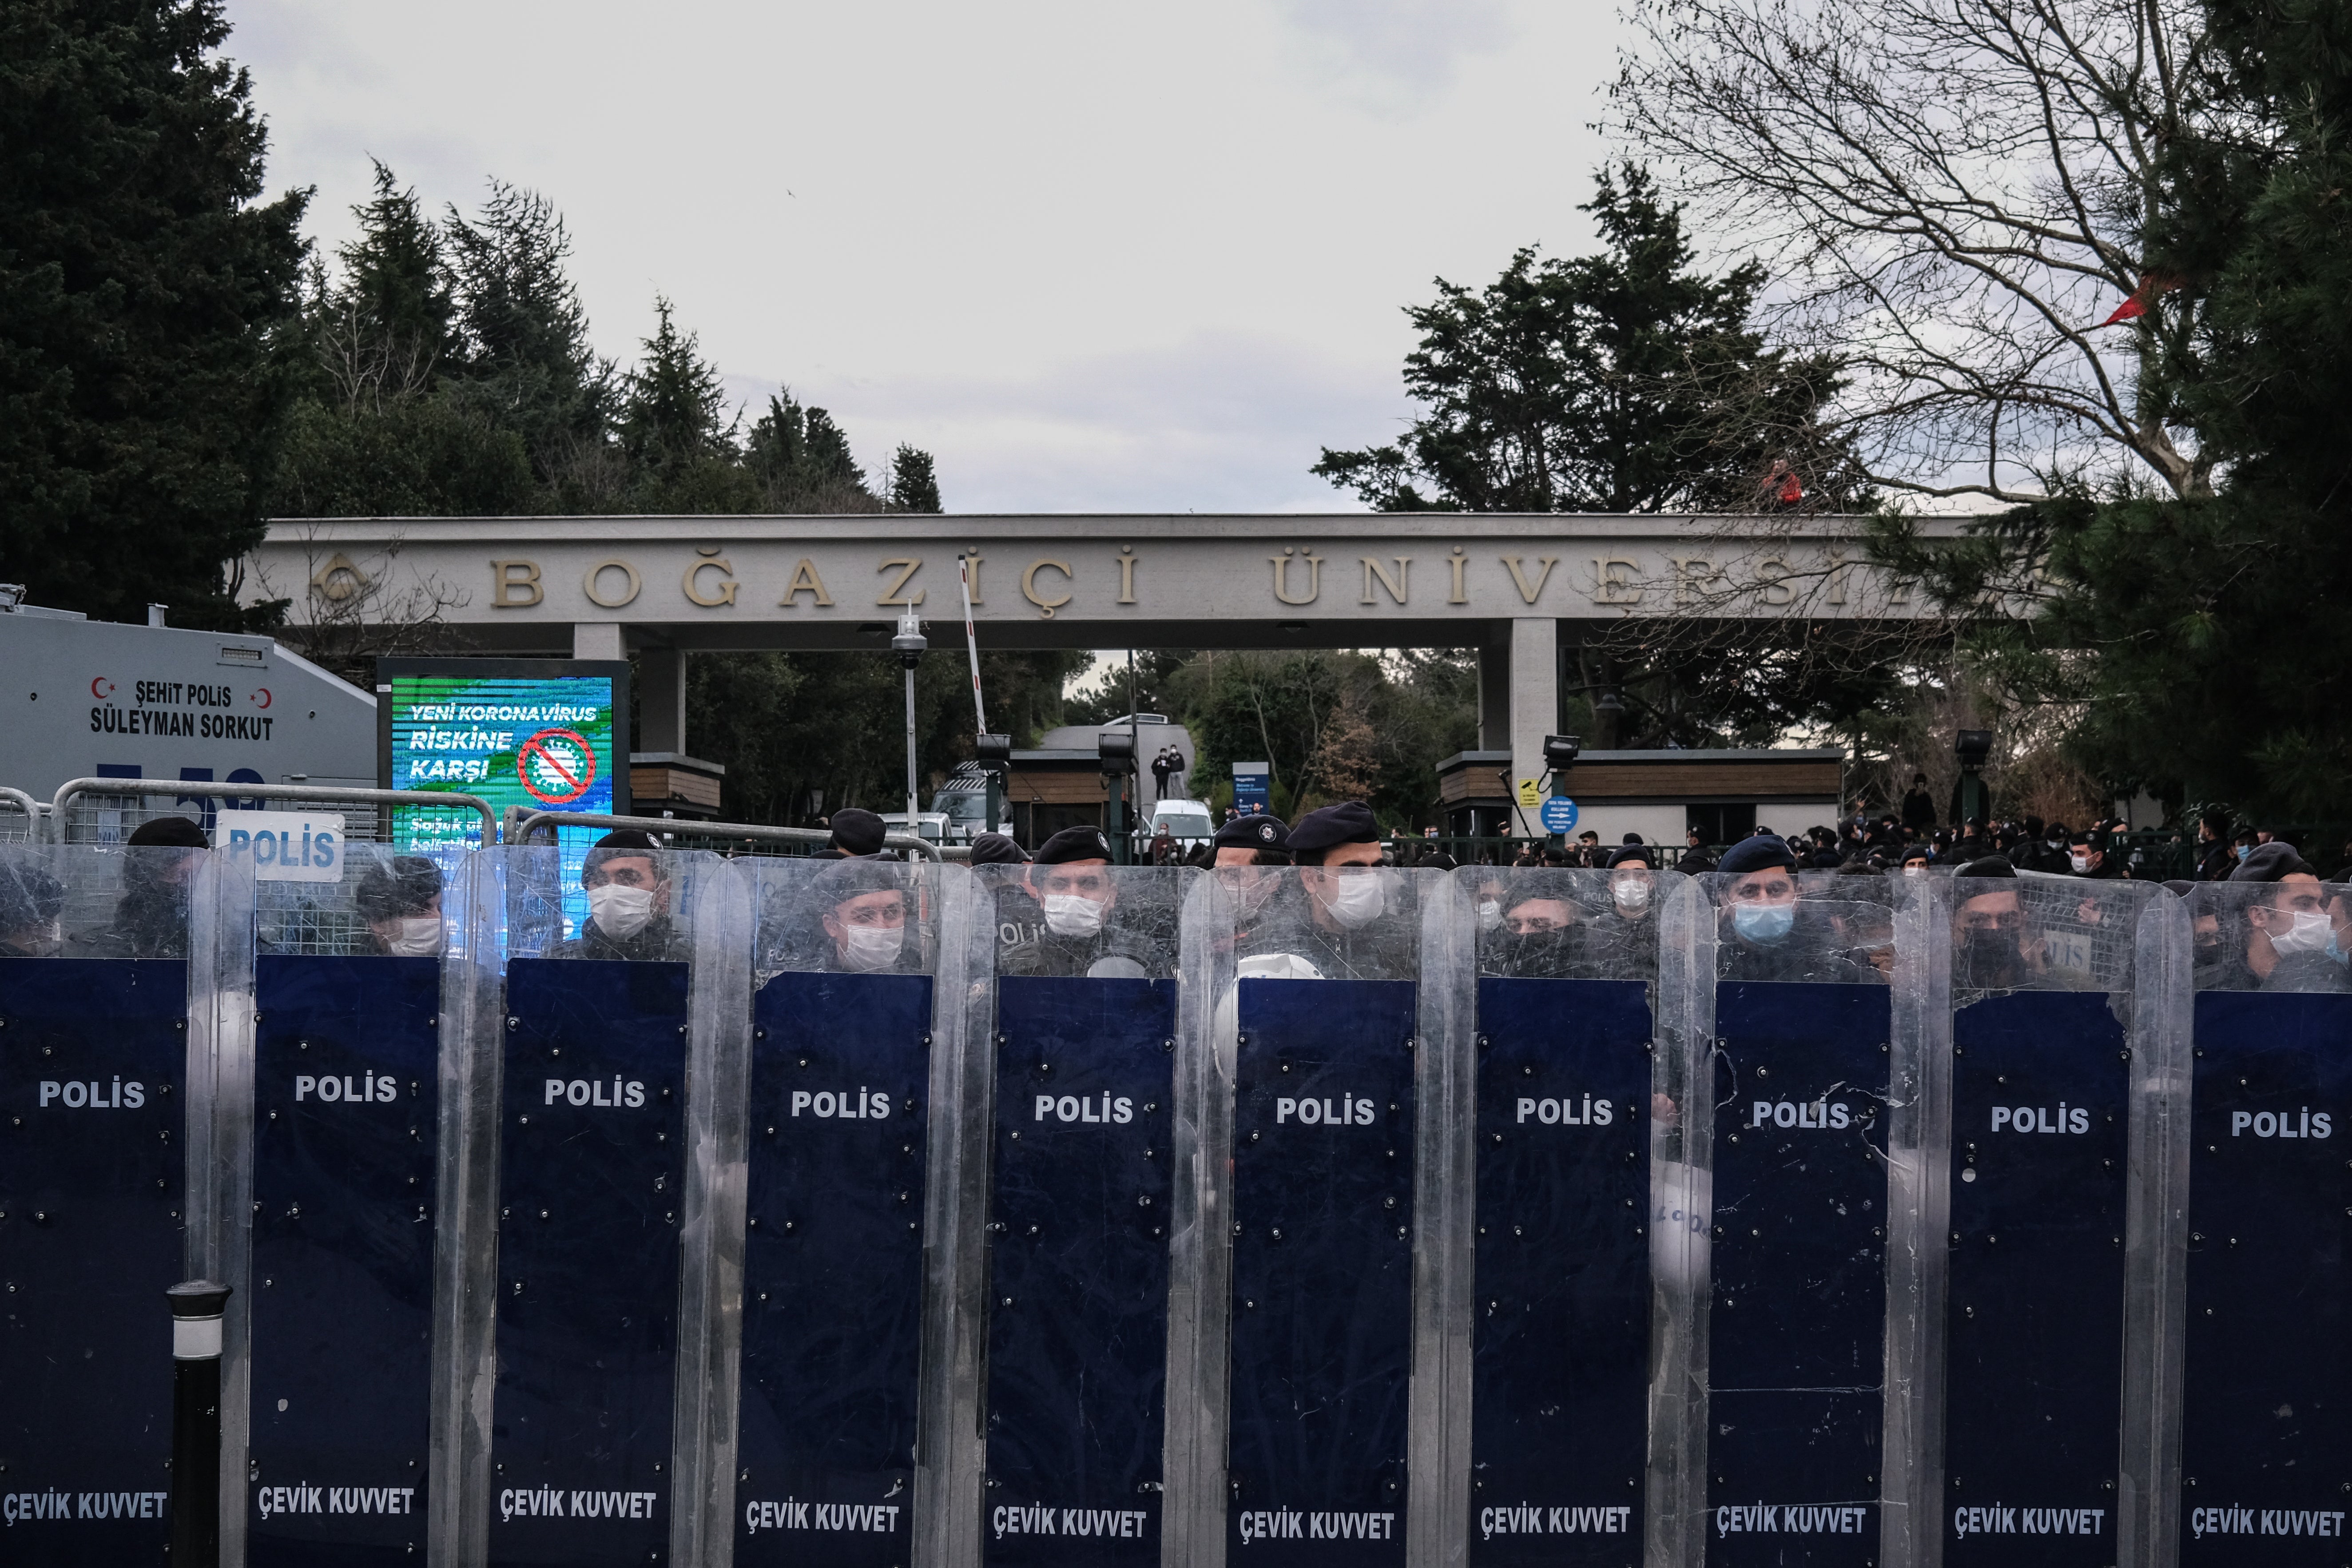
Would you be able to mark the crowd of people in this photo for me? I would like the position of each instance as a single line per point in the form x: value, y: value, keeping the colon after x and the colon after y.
x: 1321, y: 898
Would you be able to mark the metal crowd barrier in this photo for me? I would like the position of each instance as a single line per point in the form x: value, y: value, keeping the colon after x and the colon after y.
x: 32, y: 810
x: 674, y: 1209
x: 322, y: 795
x: 521, y: 825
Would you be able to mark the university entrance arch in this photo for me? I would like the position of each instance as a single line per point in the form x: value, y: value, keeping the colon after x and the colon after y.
x: 1515, y: 588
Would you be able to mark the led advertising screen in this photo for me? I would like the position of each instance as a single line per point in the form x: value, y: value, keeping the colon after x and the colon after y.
x: 541, y: 733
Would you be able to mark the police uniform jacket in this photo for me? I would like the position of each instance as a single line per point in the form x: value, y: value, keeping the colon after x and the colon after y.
x: 1813, y: 950
x: 658, y: 941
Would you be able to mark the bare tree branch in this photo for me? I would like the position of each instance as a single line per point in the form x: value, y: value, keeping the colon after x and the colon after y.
x: 1950, y: 195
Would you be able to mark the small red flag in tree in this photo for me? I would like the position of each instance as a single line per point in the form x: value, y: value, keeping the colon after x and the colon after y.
x: 2151, y: 284
x: 1792, y: 492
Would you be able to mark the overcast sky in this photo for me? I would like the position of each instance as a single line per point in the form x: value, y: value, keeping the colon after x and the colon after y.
x: 1092, y: 257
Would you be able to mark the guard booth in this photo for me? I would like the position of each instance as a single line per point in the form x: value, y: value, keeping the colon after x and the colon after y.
x: 838, y: 1123
x: 1580, y: 1181
x: 2266, y: 1440
x: 118, y: 969
x: 1092, y: 1030
x: 617, y: 984
x: 2045, y: 1056
x: 1332, y: 980
x: 363, y: 1027
x: 1797, y: 1035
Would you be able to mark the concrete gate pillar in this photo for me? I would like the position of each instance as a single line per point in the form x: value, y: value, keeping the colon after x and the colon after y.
x: 1535, y: 704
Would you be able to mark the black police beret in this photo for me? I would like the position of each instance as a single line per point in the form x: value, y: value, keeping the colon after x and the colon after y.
x: 1760, y: 852
x: 171, y: 832
x: 1633, y: 854
x: 1349, y: 821
x: 403, y: 888
x: 857, y: 831
x: 2272, y: 862
x: 1074, y: 844
x: 996, y: 850
x: 1255, y: 832
x: 848, y: 879
x: 1990, y: 865
x: 621, y: 844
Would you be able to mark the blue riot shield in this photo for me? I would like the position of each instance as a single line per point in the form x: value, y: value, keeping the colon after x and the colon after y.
x: 1566, y: 1062
x: 1078, y: 1216
x: 592, y: 1173
x: 2038, y: 1163
x: 1797, y: 1319
x: 94, y: 1025
x: 347, y: 1075
x: 833, y: 1272
x: 2266, y: 1413
x: 1324, y: 1126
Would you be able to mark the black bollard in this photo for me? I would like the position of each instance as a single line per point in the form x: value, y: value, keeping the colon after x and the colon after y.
x: 196, y: 1307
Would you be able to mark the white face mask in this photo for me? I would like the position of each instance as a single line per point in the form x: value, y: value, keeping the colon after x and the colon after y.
x: 414, y: 936
x: 1490, y: 914
x: 621, y: 912
x: 1633, y: 894
x: 866, y: 949
x: 1358, y: 899
x: 2082, y: 862
x: 1071, y: 914
x: 2309, y: 933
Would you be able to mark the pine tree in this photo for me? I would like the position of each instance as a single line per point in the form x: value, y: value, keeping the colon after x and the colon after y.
x: 914, y: 482
x: 673, y: 409
x: 1625, y: 381
x: 2209, y: 641
x: 143, y: 290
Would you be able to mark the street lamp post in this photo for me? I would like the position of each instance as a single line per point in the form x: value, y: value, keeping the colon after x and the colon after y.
x: 908, y: 645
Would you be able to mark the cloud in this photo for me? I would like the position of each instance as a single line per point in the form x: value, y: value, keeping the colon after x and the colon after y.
x: 1403, y: 51
x: 1220, y: 422
x: 1090, y: 256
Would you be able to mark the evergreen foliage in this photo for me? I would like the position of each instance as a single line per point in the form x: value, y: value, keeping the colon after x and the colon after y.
x: 143, y: 286
x: 2206, y: 641
x: 1622, y: 382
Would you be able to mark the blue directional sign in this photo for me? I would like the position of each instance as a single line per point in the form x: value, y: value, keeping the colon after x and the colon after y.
x: 1558, y: 814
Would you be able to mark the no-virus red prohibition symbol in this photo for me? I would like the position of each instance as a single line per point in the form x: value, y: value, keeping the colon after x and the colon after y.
x: 556, y: 765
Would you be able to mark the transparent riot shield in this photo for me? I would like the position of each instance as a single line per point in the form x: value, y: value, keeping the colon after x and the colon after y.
x: 2026, y: 1148
x: 1574, y: 1102
x: 1328, y: 1019
x: 359, y: 964
x: 1086, y: 960
x: 614, y: 1006
x: 1794, y: 1327
x: 2265, y: 1470
x: 114, y: 961
x: 838, y: 1126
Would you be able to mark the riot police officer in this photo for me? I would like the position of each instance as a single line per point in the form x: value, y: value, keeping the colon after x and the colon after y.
x: 1342, y: 916
x: 863, y: 908
x: 401, y: 906
x: 856, y: 832
x: 1250, y: 851
x: 1994, y: 948
x: 1543, y: 935
x: 628, y: 902
x: 2286, y: 939
x: 1765, y: 933
x: 1624, y: 935
x: 150, y: 918
x: 1071, y: 882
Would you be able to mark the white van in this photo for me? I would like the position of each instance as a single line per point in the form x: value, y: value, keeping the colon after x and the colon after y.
x: 1186, y: 821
